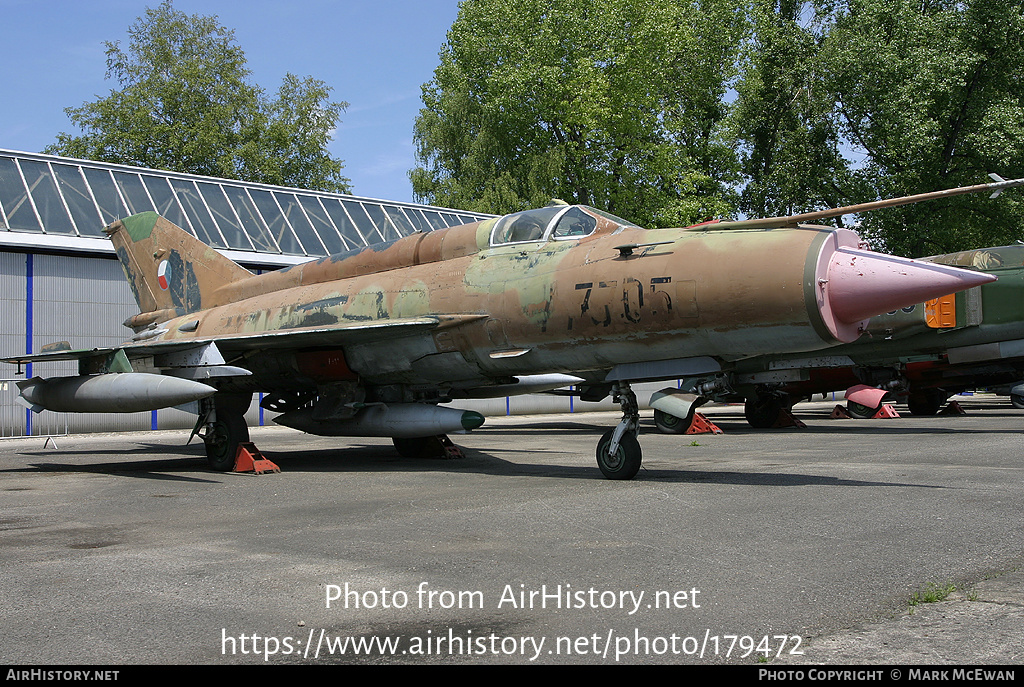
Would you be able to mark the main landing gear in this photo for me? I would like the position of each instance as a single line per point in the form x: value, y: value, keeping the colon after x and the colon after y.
x: 926, y: 402
x: 618, y: 453
x: 222, y: 426
x: 768, y: 409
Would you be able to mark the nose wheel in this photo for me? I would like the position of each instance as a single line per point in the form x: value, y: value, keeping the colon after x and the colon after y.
x: 618, y: 453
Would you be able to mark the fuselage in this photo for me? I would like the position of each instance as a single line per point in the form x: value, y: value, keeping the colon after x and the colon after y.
x: 555, y: 303
x: 971, y: 338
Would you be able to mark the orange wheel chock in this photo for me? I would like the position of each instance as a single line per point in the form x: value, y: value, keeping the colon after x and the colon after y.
x: 840, y: 413
x: 249, y: 459
x: 702, y: 425
x: 885, y: 411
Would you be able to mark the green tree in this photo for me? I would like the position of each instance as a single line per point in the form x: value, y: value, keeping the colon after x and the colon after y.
x: 186, y: 104
x: 931, y: 93
x: 783, y: 117
x: 614, y: 103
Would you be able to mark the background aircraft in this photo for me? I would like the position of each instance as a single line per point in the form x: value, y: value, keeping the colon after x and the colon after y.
x: 368, y: 343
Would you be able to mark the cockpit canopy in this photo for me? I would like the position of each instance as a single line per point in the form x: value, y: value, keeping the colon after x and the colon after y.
x: 558, y: 222
x: 983, y: 258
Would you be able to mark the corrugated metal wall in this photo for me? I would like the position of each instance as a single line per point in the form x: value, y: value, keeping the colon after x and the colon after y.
x: 81, y: 300
x: 12, y: 339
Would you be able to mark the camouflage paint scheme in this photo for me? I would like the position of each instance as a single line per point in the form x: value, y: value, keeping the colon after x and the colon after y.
x: 911, y: 354
x: 368, y: 342
x: 430, y: 296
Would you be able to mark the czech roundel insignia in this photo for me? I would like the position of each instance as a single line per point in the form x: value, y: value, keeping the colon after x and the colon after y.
x: 163, y: 275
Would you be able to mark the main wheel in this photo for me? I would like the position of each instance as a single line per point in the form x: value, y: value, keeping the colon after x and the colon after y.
x: 419, y: 447
x: 668, y: 423
x: 222, y: 440
x: 926, y: 402
x: 1017, y: 401
x: 762, y: 411
x: 625, y: 463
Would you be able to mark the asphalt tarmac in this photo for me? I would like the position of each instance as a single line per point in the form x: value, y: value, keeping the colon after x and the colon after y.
x: 824, y: 545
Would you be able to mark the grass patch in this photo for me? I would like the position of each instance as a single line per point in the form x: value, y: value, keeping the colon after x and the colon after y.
x: 933, y: 593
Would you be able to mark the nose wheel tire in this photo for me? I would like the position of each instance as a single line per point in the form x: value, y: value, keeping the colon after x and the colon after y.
x: 625, y: 462
x: 762, y: 412
x: 669, y: 424
x: 860, y: 411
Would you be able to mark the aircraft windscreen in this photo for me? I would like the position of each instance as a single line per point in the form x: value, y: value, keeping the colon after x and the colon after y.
x: 531, y: 225
x: 609, y: 216
x: 574, y: 223
x: 523, y: 226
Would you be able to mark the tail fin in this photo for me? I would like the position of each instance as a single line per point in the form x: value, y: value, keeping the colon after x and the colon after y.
x: 167, y: 268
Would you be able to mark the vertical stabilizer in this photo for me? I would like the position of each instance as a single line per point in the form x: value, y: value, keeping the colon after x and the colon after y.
x: 166, y: 267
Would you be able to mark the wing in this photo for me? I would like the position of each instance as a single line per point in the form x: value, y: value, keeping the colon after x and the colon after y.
x: 182, y: 354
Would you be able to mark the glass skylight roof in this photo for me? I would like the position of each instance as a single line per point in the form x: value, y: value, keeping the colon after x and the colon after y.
x: 44, y: 194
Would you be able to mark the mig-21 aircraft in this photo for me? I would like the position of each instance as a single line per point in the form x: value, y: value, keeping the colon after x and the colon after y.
x: 372, y: 341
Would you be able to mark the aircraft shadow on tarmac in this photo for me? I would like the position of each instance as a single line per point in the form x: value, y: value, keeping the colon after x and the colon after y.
x: 125, y: 463
x: 735, y: 424
x: 854, y: 427
x: 821, y: 424
x: 379, y: 457
x: 371, y: 458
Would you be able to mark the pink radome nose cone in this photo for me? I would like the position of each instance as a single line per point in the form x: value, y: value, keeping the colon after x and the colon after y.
x: 860, y: 284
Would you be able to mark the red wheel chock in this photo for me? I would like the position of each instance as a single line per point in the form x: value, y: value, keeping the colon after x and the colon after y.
x: 788, y: 419
x: 885, y: 411
x: 953, y: 408
x: 840, y: 413
x: 249, y: 459
x: 451, y: 451
x: 702, y: 425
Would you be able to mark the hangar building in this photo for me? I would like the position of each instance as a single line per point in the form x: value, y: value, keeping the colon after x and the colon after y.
x: 61, y: 281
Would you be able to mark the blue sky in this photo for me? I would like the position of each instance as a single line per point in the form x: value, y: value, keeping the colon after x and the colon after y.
x: 375, y: 54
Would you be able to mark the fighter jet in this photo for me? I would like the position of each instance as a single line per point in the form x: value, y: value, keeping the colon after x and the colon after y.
x: 371, y: 342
